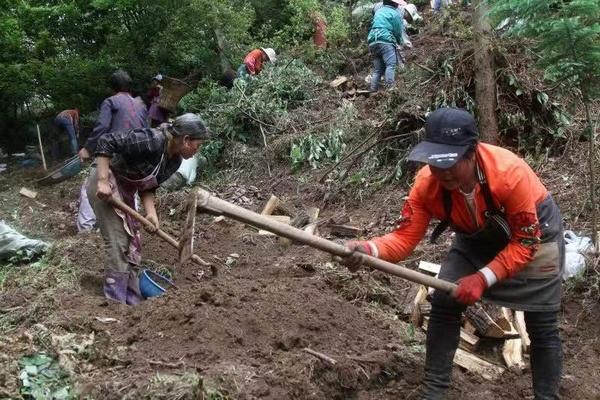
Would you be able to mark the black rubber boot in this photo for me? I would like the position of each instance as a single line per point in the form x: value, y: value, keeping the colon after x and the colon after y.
x: 443, y: 335
x: 546, y: 353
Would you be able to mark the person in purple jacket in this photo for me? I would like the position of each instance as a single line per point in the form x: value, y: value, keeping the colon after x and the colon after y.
x: 119, y: 112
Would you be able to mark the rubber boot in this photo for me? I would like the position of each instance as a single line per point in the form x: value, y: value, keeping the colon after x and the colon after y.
x: 134, y: 297
x: 546, y: 354
x: 115, y: 285
x: 443, y: 335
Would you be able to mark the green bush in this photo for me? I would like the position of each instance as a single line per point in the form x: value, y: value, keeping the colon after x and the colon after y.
x: 255, y: 107
x: 316, y: 150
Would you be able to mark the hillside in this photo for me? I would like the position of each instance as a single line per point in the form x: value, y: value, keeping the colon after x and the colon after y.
x: 242, y: 333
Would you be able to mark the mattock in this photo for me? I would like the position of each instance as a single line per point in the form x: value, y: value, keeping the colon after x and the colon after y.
x: 186, y: 242
x: 213, y: 205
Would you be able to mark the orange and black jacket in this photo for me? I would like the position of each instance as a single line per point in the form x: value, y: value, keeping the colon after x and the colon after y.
x: 514, y: 187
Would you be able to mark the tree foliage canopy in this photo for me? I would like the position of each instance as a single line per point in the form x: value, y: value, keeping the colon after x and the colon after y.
x: 58, y: 54
x: 566, y: 36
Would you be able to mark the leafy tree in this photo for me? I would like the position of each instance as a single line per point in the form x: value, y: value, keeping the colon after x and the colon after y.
x: 566, y: 37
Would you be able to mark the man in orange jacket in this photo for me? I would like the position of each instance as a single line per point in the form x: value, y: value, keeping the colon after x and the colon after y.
x: 508, y: 246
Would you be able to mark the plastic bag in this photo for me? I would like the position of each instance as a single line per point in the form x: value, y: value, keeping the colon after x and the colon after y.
x: 12, y: 241
x: 575, y: 248
x: 574, y: 264
x: 574, y: 243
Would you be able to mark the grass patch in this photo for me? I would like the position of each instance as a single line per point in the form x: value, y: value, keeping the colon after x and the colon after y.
x: 41, y: 280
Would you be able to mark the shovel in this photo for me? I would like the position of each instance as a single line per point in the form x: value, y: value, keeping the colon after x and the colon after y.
x: 185, y: 251
x: 214, y: 205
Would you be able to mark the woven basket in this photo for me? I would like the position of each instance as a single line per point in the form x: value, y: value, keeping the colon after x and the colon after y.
x: 173, y: 90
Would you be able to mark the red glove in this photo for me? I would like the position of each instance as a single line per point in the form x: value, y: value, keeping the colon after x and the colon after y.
x: 470, y: 288
x: 354, y: 261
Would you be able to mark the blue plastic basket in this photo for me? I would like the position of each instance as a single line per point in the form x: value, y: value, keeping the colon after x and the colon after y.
x: 150, y: 283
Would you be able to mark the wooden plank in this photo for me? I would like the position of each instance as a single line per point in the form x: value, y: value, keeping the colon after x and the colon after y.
x: 271, y: 205
x: 416, y: 317
x: 506, y: 322
x: 512, y: 353
x: 27, y: 193
x: 468, y: 341
x: 432, y: 268
x: 522, y: 329
x: 476, y: 365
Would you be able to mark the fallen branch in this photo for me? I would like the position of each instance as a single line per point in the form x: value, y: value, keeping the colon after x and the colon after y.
x: 166, y: 364
x: 425, y: 68
x: 321, y: 356
x: 362, y: 153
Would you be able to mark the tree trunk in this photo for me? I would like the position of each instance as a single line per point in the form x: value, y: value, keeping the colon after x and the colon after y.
x: 485, y: 79
x: 225, y: 64
x: 591, y: 166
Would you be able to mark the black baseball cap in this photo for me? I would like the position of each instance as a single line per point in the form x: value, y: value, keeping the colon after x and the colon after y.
x: 449, y: 133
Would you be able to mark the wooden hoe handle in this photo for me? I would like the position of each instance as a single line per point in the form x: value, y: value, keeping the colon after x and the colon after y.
x: 149, y: 225
x: 214, y: 205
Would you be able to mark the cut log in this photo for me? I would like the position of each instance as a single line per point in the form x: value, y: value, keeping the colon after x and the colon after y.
x: 431, y: 268
x: 469, y: 327
x: 28, y: 193
x: 345, y: 230
x: 467, y: 342
x: 488, y: 320
x: 279, y: 218
x: 512, y: 353
x: 476, y: 365
x: 521, y: 328
x: 271, y: 205
x: 416, y: 317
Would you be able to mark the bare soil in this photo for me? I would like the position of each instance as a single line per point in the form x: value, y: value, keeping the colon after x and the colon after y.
x: 247, y: 327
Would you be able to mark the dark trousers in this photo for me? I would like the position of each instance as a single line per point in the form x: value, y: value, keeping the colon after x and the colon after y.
x: 443, y: 336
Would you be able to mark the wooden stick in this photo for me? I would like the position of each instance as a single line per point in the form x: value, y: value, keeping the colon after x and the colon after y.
x: 41, y: 147
x: 178, y: 364
x: 213, y: 204
x: 149, y: 225
x: 321, y: 356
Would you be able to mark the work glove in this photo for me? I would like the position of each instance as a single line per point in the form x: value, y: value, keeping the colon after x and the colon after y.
x: 354, y: 260
x: 470, y: 288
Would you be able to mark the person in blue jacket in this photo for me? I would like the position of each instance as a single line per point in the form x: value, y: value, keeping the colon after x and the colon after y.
x: 384, y: 39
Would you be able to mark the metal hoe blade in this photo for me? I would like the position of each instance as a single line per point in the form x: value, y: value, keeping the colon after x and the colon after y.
x: 186, y: 241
